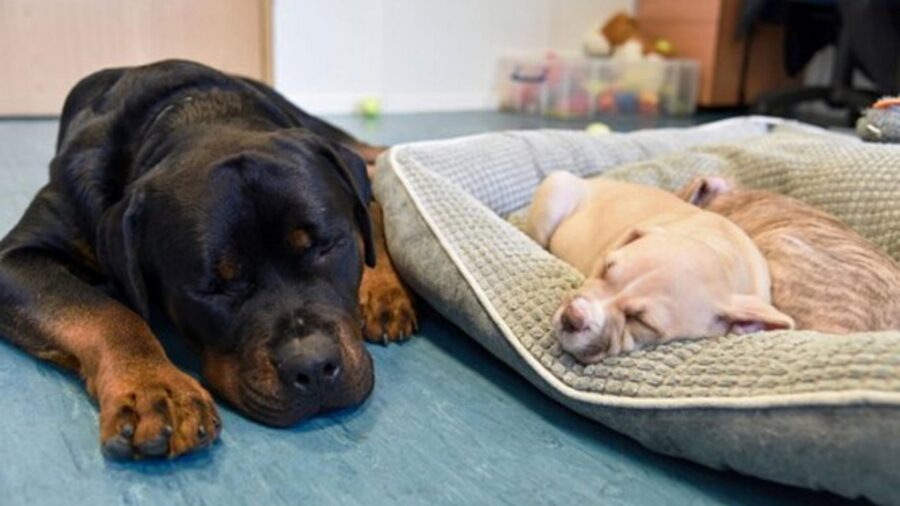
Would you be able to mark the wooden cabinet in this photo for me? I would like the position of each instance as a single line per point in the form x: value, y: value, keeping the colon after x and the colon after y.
x: 733, y: 71
x: 46, y: 46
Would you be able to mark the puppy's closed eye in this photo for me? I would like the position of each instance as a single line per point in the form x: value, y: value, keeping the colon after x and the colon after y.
x: 608, y: 267
x: 640, y: 326
x: 608, y: 264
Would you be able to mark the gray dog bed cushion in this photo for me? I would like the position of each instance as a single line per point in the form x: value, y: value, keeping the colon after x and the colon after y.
x: 802, y: 408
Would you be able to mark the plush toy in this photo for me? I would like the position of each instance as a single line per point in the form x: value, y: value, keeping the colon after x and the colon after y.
x: 630, y: 51
x: 595, y: 43
x: 622, y: 28
x: 623, y: 34
x: 881, y: 123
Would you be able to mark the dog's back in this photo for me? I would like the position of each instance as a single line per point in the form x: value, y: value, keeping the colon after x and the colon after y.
x: 824, y: 274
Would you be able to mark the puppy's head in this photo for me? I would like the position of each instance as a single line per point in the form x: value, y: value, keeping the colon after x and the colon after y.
x: 659, y: 285
x: 254, y: 245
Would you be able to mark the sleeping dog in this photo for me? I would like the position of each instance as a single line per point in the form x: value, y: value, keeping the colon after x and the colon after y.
x: 656, y: 267
x: 824, y: 274
x: 243, y: 219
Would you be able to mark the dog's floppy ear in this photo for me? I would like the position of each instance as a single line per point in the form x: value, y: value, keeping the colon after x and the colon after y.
x: 702, y: 190
x: 352, y: 169
x: 118, y: 249
x: 746, y: 314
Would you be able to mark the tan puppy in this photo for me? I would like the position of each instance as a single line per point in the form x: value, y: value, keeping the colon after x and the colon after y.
x: 824, y: 274
x: 657, y: 268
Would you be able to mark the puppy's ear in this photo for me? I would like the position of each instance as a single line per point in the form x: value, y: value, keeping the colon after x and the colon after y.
x: 119, y: 252
x: 702, y: 190
x: 748, y: 313
x: 352, y: 169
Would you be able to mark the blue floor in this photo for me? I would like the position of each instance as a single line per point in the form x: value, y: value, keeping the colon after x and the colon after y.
x: 446, y: 424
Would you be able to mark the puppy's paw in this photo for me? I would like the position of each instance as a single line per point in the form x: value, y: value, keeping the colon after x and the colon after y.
x: 388, y: 313
x: 154, y: 410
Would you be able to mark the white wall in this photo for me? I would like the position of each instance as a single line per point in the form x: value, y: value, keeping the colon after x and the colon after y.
x: 416, y: 55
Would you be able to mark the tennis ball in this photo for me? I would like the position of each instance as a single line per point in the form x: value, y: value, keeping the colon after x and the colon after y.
x: 370, y: 107
x: 597, y: 128
x: 664, y: 47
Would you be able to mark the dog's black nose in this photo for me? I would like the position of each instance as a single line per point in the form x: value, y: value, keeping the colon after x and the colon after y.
x: 309, y: 364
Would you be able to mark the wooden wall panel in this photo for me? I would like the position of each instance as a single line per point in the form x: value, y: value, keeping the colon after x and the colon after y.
x: 705, y: 30
x: 46, y: 46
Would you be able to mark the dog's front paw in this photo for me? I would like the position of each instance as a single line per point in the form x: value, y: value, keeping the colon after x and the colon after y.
x: 154, y: 410
x: 388, y: 313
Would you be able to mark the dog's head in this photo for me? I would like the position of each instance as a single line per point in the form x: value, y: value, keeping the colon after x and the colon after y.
x: 254, y: 244
x: 658, y: 285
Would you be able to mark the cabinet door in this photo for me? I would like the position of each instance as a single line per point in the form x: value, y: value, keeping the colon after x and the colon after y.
x: 46, y: 46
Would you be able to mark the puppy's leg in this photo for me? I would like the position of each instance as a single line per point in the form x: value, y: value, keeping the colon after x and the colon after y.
x: 148, y: 408
x: 387, y: 306
x: 555, y: 199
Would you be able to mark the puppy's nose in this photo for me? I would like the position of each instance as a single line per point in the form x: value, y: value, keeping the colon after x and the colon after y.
x: 309, y: 364
x: 573, y: 319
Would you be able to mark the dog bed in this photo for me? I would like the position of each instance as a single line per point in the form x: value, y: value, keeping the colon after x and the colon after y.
x: 802, y: 408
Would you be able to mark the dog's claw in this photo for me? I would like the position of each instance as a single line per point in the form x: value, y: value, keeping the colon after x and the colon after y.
x: 157, y: 446
x: 118, y: 448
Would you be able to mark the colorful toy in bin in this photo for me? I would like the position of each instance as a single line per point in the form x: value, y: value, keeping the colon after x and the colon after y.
x: 626, y: 101
x: 570, y: 87
x: 579, y: 103
x: 524, y: 88
x: 648, y: 102
x: 606, y: 102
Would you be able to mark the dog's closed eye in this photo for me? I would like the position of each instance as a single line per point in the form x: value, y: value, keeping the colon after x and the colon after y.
x: 327, y: 246
x: 608, y: 264
x: 640, y: 325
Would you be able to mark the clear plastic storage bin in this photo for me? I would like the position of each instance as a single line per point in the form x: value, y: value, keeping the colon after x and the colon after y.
x: 569, y: 87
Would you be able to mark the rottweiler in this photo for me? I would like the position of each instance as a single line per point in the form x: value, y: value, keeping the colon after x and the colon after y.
x: 212, y: 200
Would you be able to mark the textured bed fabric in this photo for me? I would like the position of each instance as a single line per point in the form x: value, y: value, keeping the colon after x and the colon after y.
x: 801, y: 408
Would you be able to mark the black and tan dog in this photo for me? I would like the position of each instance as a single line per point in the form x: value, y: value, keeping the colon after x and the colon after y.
x: 243, y: 218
